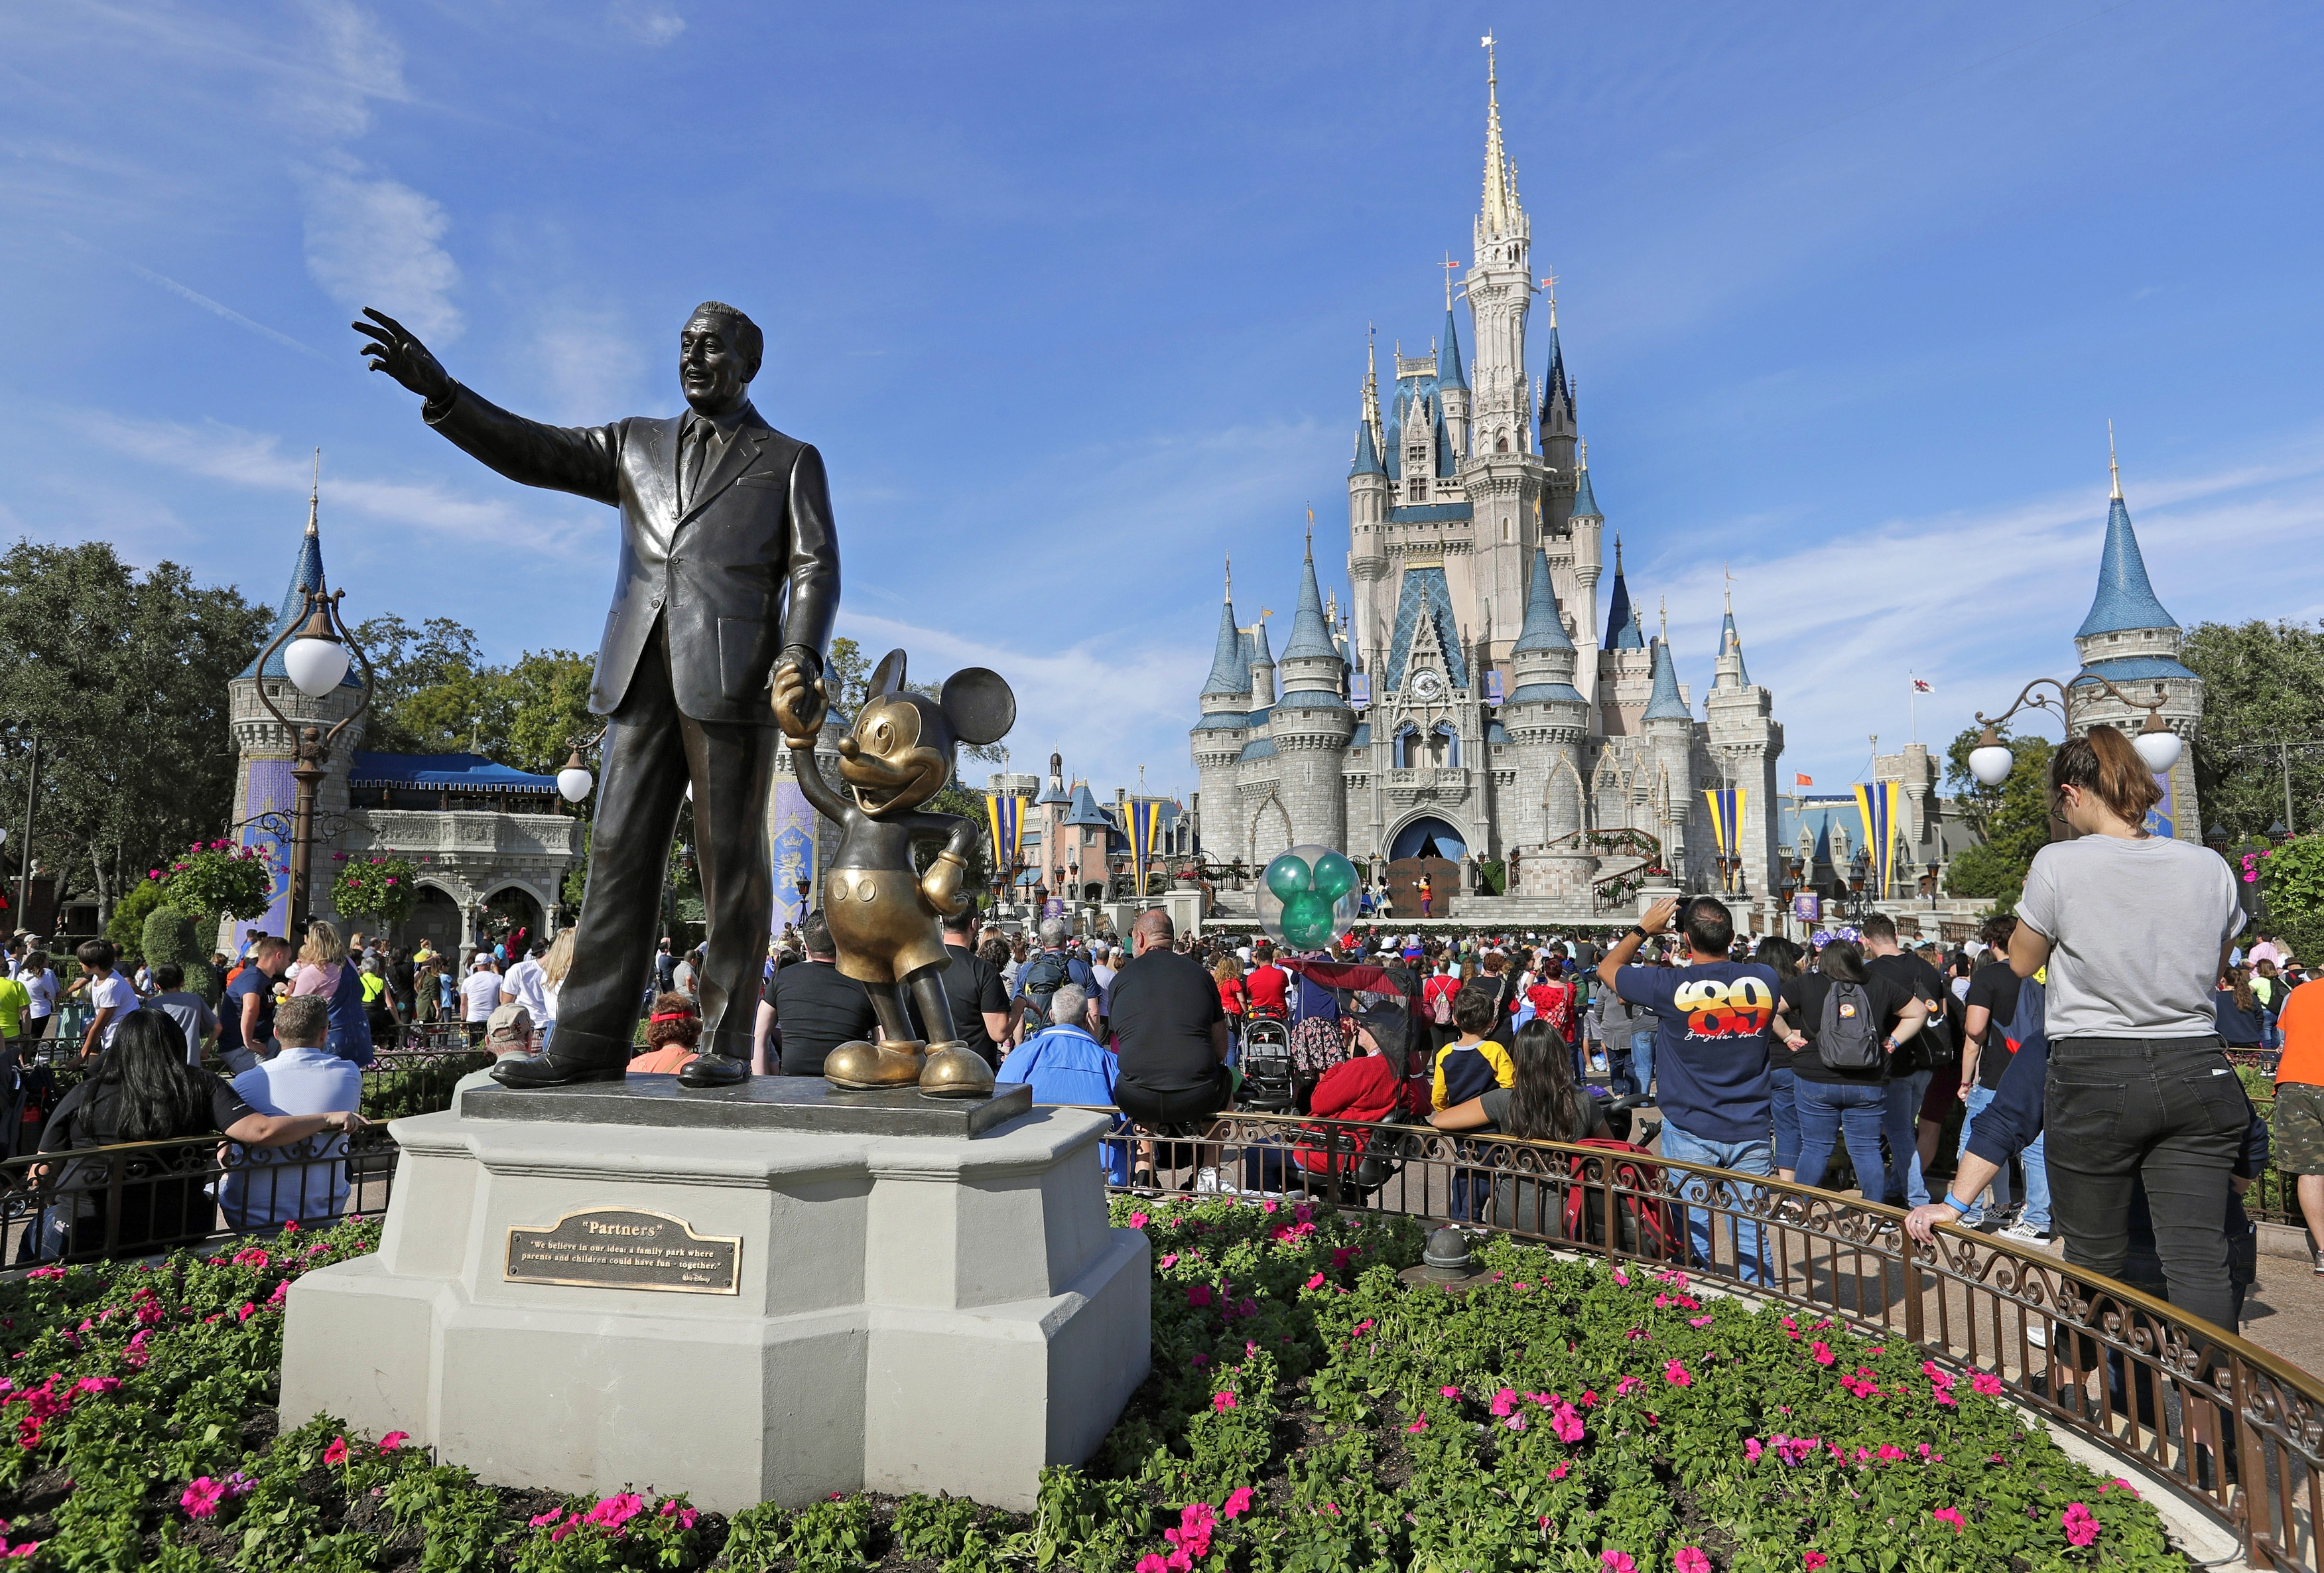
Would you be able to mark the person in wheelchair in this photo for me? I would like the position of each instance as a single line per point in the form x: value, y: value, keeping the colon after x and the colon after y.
x: 1369, y: 1088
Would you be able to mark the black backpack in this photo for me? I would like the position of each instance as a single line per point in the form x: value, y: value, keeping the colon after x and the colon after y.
x: 1045, y: 974
x: 1849, y: 1037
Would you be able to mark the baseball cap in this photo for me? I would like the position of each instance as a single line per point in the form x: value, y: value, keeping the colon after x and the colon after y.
x: 509, y: 1024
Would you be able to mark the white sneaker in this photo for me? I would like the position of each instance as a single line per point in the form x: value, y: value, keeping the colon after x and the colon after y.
x: 2038, y: 1335
x: 1208, y: 1182
x: 2022, y: 1230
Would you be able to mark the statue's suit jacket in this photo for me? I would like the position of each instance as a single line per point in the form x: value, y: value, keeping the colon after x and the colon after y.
x: 760, y: 523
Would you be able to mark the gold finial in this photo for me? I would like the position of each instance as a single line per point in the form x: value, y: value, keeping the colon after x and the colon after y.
x: 1582, y: 449
x: 1549, y: 285
x: 2114, y: 465
x: 1311, y: 533
x: 1449, y: 266
x: 315, y: 496
x: 1499, y: 198
x: 1729, y: 571
x: 1662, y: 605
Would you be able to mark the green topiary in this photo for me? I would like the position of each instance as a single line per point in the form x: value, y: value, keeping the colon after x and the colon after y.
x: 171, y: 937
x: 126, y: 927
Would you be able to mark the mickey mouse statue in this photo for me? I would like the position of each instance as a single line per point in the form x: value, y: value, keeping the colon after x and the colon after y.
x: 882, y: 915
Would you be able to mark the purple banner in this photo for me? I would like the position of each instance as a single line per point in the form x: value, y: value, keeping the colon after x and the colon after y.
x: 791, y: 824
x: 268, y: 791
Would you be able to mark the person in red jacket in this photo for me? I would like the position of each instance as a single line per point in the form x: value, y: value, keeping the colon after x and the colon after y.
x: 1362, y: 1088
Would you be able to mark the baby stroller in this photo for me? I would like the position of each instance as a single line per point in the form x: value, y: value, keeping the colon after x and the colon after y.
x: 1266, y: 1079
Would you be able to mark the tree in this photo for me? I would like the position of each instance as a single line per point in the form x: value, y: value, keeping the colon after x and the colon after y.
x: 2013, y: 818
x: 123, y: 677
x: 2262, y: 684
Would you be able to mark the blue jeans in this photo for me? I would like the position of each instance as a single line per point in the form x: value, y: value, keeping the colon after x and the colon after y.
x: 1901, y: 1119
x: 1642, y: 1057
x: 1752, y: 1157
x: 1787, y: 1122
x: 1830, y: 1110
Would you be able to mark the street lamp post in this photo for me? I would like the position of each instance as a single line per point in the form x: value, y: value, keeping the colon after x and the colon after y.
x: 319, y: 647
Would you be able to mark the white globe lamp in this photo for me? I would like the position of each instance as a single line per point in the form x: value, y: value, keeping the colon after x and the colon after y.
x: 316, y: 661
x: 1991, y: 761
x: 2157, y: 744
x: 574, y: 782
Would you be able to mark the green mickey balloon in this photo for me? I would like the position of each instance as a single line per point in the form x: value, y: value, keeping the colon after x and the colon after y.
x: 1287, y: 876
x: 1307, y: 920
x: 1336, y: 876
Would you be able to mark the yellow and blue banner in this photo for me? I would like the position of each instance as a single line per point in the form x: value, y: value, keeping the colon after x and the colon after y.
x: 1726, y: 805
x: 1005, y: 818
x: 1145, y: 828
x: 1877, y: 803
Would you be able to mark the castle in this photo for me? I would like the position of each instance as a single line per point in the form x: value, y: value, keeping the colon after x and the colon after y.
x: 1467, y: 705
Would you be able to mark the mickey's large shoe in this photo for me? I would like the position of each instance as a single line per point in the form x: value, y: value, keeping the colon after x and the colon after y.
x: 715, y: 1070
x: 548, y: 1069
x: 862, y: 1066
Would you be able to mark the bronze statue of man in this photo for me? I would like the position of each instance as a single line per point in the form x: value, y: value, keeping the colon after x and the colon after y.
x: 721, y: 515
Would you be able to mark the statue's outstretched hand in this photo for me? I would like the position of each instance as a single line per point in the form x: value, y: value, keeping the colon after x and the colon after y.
x: 940, y: 886
x: 799, y: 704
x: 390, y: 346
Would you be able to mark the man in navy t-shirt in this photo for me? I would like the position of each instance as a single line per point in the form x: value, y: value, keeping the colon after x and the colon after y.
x: 1712, y: 1080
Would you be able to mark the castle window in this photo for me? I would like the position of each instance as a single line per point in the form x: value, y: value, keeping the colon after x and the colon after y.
x: 1505, y: 529
x: 1502, y: 445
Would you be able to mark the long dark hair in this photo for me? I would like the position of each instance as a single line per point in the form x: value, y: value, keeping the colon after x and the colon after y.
x: 156, y: 1093
x: 1843, y: 962
x: 1541, y: 1097
x: 1782, y: 954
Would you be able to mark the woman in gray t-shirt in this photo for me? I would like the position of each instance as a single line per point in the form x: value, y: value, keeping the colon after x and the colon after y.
x: 2134, y: 929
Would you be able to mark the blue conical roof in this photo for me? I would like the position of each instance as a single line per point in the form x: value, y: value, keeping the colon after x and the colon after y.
x: 1544, y: 628
x: 2126, y: 600
x: 1229, y: 674
x: 1664, y: 703
x: 1585, y: 501
x: 1444, y: 465
x: 1730, y: 640
x: 1258, y: 655
x: 1368, y: 458
x: 306, y: 574
x: 1620, y: 618
x: 1449, y: 373
x: 1311, y: 636
x: 1086, y: 811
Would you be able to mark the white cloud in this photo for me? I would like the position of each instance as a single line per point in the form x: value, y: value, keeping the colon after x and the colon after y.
x: 214, y: 450
x: 588, y: 367
x: 372, y: 242
x: 646, y: 21
x: 357, y: 61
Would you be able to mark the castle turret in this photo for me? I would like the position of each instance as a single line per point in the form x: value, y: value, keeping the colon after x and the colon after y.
x: 1669, y: 728
x: 1548, y: 719
x: 1311, y: 723
x: 1745, y: 741
x: 1262, y: 666
x: 2132, y: 641
x: 1218, y: 737
x: 1452, y: 380
x: 1586, y: 528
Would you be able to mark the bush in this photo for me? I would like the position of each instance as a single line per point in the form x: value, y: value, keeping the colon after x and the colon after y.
x: 172, y: 936
x: 2291, y: 879
x: 381, y: 888
x: 126, y: 927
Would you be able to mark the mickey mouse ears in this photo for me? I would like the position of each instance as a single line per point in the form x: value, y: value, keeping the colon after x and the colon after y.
x: 979, y: 703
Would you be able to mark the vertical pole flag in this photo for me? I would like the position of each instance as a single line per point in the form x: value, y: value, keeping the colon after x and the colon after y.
x: 1727, y: 804
x: 1877, y: 802
x: 1145, y: 822
x: 1005, y: 816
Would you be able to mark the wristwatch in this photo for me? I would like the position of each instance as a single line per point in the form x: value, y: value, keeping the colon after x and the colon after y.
x: 1641, y: 933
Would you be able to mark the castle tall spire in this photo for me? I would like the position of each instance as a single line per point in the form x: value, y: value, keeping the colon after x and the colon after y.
x: 2125, y: 599
x: 1501, y: 210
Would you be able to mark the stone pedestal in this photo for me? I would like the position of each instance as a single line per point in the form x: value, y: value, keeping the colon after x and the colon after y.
x: 870, y: 1291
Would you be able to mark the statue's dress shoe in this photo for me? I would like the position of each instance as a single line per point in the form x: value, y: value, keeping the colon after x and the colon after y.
x: 862, y: 1066
x: 715, y: 1070
x: 551, y: 1070
x: 955, y: 1071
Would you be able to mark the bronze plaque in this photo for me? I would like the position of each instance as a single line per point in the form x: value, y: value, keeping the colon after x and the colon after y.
x: 625, y: 1248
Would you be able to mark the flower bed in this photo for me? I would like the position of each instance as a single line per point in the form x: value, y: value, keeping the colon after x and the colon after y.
x: 1307, y: 1411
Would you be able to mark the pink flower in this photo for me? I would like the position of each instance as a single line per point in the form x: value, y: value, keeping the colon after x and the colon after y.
x: 1986, y: 1383
x: 1150, y: 1563
x: 1822, y: 1352
x: 337, y: 1453
x: 1199, y: 1295
x: 1222, y: 1402
x: 1316, y: 1281
x: 550, y: 1517
x: 1691, y: 1559
x: 1815, y: 1559
x: 1505, y: 1403
x: 201, y: 1499
x: 1951, y: 1515
x: 1616, y: 1562
x: 392, y: 1440
x: 1622, y: 1388
x: 1237, y: 1502
x: 615, y: 1511
x: 1751, y: 1449
x: 1698, y: 1321
x: 1168, y: 1261
x: 1558, y: 1473
x: 1420, y: 1424
x: 1676, y: 1375
x: 1448, y: 1393
x: 1890, y: 1453
x: 1139, y: 1220
x: 1623, y: 1279
x: 2082, y: 1524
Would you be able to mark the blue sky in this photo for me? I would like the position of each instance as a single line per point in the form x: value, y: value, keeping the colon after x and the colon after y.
x: 1073, y: 298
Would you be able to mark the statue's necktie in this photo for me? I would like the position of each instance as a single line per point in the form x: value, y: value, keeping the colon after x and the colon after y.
x: 697, y: 456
